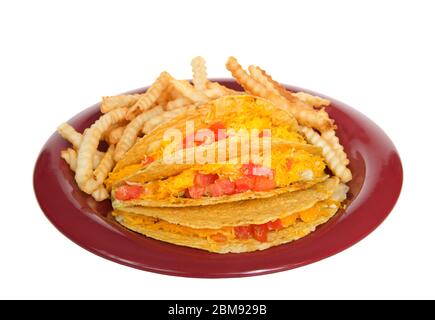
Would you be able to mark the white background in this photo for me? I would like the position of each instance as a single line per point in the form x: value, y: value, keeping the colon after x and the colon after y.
x: 58, y: 58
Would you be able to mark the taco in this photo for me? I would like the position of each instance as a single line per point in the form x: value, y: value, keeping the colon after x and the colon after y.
x: 293, y: 163
x: 293, y: 166
x: 250, y: 225
x: 235, y: 112
x: 227, y: 204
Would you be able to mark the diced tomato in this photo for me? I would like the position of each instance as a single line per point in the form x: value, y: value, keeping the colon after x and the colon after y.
x: 264, y: 184
x: 247, y: 169
x: 289, y: 164
x: 244, y: 184
x: 242, y: 232
x: 195, y: 192
x: 127, y: 192
x: 218, y: 130
x: 147, y: 160
x: 259, y: 232
x: 216, y: 126
x: 215, y: 190
x: 227, y: 186
x: 274, y: 225
x: 265, y: 134
x: 221, y: 187
x: 203, y: 180
x: 219, y: 237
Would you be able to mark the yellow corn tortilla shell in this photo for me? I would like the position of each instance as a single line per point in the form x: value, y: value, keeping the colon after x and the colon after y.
x: 202, y: 116
x: 186, y: 202
x: 159, y: 169
x: 291, y: 233
x: 255, y: 211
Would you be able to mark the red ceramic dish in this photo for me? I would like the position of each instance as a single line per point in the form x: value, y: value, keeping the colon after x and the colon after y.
x: 375, y: 188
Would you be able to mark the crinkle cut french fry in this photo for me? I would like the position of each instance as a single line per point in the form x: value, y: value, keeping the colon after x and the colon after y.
x: 120, y: 101
x: 330, y: 137
x: 91, y: 138
x: 165, y: 97
x: 261, y: 76
x: 332, y: 159
x: 188, y: 91
x: 215, y: 90
x: 100, y: 194
x: 75, y: 138
x: 304, y: 101
x: 70, y: 134
x: 215, y: 93
x: 148, y: 99
x: 115, y: 135
x: 70, y: 157
x: 216, y: 85
x: 310, y: 118
x: 199, y: 72
x: 132, y: 130
x: 314, y: 101
x: 305, y: 116
x: 177, y: 103
x: 283, y: 91
x: 98, y: 156
x: 106, y: 164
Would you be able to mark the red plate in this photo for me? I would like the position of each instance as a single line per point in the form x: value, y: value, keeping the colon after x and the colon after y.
x: 374, y: 190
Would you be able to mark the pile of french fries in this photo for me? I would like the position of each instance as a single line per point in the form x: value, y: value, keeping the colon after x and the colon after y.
x: 127, y: 118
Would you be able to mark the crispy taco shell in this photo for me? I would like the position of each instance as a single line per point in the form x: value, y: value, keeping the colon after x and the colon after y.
x: 288, y: 234
x: 159, y: 170
x: 255, y: 211
x: 202, y: 117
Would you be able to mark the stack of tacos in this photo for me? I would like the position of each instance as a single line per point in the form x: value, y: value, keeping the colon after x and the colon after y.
x: 228, y: 204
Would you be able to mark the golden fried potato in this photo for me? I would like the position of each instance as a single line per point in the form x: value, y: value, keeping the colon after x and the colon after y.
x: 70, y: 157
x: 305, y: 116
x: 91, y: 138
x: 333, y: 141
x: 106, y: 164
x: 100, y: 194
x: 132, y: 130
x: 313, y: 101
x: 199, y: 72
x: 120, y: 101
x: 188, y: 91
x: 114, y: 135
x: 148, y: 99
x: 177, y: 103
x: 276, y: 85
x: 337, y: 166
x: 70, y: 134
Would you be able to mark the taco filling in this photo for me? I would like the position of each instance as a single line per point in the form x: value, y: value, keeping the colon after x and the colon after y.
x: 216, y: 180
x: 258, y: 232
